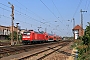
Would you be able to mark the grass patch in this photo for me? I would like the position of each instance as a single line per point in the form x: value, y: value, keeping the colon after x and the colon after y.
x: 5, y: 40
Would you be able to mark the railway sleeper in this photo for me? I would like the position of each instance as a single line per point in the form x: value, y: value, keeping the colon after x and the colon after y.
x: 42, y: 52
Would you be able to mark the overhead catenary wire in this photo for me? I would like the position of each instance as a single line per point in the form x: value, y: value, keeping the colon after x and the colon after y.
x: 50, y: 10
x: 34, y: 13
x: 1, y: 16
x: 21, y: 14
x: 57, y: 10
x: 16, y: 20
x: 5, y: 9
x: 77, y: 8
x: 22, y: 21
x: 88, y: 5
x: 17, y: 12
x: 9, y: 17
x: 29, y: 11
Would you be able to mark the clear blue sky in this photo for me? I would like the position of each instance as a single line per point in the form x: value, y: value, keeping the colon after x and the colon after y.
x: 54, y: 15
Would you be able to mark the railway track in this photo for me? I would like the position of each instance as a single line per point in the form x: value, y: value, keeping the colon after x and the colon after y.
x: 12, y: 50
x: 4, y: 43
x: 44, y: 53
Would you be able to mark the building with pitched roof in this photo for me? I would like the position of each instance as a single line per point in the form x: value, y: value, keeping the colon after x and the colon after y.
x: 78, y: 31
x: 6, y: 30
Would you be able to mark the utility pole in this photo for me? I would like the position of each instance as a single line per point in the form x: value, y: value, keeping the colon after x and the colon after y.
x: 73, y: 22
x: 82, y: 22
x: 12, y: 15
x: 73, y: 28
x: 17, y: 33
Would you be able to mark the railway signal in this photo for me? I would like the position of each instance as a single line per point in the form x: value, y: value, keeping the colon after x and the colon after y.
x: 17, y: 33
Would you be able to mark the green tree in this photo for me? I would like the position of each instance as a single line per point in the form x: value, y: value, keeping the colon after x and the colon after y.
x: 84, y: 49
x: 14, y: 36
x: 86, y: 37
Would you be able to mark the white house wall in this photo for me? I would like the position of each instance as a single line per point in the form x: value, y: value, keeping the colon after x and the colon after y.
x: 76, y: 32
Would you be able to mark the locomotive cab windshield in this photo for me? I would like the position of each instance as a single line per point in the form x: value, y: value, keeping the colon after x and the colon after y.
x: 26, y: 33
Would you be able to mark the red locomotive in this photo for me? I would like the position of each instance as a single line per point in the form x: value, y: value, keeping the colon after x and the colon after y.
x: 32, y: 36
